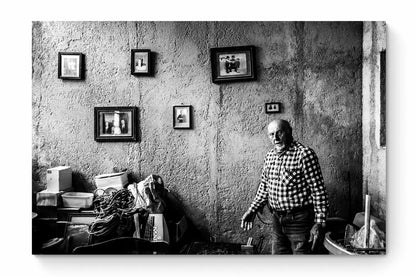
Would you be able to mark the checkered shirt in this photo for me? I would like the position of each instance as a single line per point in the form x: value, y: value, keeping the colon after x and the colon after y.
x: 292, y: 179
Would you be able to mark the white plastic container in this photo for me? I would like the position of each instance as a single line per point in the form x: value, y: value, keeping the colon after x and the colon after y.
x: 115, y: 180
x: 77, y: 199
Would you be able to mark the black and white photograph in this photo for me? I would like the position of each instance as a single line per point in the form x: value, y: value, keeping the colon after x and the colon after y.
x: 252, y: 138
x: 273, y: 107
x: 182, y: 117
x: 140, y: 62
x: 70, y: 66
x: 233, y: 64
x: 115, y: 123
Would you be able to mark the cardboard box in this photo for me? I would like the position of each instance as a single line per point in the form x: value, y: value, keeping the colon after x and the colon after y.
x: 49, y: 198
x: 115, y: 180
x: 59, y: 178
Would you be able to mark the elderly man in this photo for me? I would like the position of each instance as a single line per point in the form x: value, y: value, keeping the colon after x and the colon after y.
x: 293, y: 187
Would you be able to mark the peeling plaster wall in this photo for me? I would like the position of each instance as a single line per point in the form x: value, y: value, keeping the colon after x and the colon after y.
x: 374, y: 155
x: 314, y: 69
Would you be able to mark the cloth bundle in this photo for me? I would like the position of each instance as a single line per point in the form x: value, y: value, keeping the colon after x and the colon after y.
x: 149, y: 194
x: 377, y: 238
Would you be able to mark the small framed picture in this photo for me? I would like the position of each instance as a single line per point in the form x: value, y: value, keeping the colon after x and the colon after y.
x: 70, y: 66
x: 230, y: 64
x: 274, y: 107
x: 115, y: 124
x: 182, y: 117
x: 141, y: 62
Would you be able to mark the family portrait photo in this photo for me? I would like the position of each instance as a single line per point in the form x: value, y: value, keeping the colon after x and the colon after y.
x: 236, y: 63
x: 114, y: 123
x: 233, y: 64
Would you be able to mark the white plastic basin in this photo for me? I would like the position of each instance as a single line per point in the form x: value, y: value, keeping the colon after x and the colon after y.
x: 77, y: 199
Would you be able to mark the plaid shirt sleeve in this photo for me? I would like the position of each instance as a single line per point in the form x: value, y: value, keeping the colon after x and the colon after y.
x: 315, y: 181
x: 262, y: 192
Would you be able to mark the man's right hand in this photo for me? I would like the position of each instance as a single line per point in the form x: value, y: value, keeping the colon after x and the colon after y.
x: 247, y: 220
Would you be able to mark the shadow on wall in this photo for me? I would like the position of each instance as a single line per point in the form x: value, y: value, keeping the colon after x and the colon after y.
x: 38, y: 172
x: 200, y: 223
x: 153, y: 67
x: 80, y: 183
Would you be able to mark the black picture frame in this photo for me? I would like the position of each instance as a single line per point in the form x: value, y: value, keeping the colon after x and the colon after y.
x: 141, y: 62
x: 71, y: 66
x: 182, y: 117
x: 273, y: 107
x: 232, y: 64
x: 106, y: 120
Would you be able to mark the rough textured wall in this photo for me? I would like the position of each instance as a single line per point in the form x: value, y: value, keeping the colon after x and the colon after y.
x: 374, y: 155
x: 314, y: 69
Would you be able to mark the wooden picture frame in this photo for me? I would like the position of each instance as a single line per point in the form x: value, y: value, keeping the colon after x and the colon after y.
x: 70, y: 66
x: 273, y: 107
x: 112, y: 124
x: 141, y: 62
x: 231, y: 64
x: 182, y: 117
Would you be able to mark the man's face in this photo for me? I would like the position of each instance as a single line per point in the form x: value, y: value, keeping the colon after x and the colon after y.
x: 278, y: 135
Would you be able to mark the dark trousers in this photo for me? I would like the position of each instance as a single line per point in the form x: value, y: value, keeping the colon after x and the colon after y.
x: 291, y: 231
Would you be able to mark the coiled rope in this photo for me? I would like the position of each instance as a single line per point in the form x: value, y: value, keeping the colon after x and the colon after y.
x: 110, y: 206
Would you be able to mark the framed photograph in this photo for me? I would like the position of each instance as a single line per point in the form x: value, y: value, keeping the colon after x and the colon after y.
x: 274, y: 107
x: 115, y: 124
x: 182, y: 117
x: 141, y: 62
x: 70, y: 66
x: 230, y: 64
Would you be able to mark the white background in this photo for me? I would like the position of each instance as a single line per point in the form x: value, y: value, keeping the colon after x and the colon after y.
x: 15, y: 86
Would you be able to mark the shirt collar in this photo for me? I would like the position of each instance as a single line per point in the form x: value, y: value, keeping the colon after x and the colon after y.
x: 289, y: 149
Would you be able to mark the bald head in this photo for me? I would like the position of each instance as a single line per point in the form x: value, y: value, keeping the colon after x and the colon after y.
x: 280, y: 133
x: 280, y: 124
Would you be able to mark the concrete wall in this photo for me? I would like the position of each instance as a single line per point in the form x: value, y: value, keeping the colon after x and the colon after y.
x: 374, y: 155
x: 314, y: 69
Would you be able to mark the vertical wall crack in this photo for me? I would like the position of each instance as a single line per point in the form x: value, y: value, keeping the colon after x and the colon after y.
x: 299, y: 85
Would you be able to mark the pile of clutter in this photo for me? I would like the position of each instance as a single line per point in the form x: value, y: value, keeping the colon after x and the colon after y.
x: 59, y: 191
x: 117, y: 208
x: 367, y: 239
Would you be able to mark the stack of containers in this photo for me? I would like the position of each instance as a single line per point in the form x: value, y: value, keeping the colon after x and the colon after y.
x: 59, y: 190
x: 58, y: 180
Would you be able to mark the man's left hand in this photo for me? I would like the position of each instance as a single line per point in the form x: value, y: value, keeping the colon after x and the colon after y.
x: 315, y: 234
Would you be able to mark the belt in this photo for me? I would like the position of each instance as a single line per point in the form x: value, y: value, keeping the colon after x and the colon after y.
x: 292, y: 211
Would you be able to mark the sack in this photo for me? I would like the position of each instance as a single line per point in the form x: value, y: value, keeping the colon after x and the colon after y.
x: 149, y: 194
x: 377, y: 238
